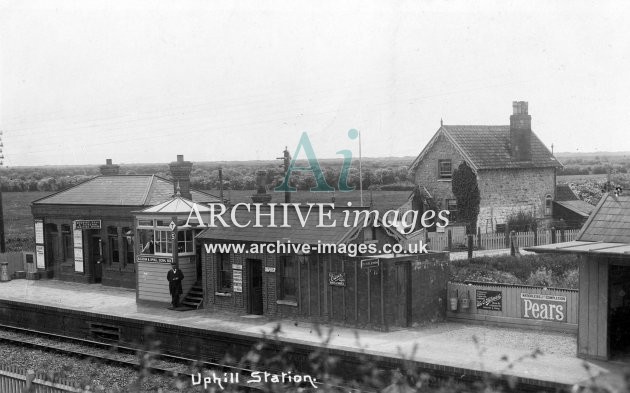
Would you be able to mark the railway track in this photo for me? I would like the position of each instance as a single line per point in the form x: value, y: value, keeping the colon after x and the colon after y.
x: 127, y: 356
x: 171, y: 365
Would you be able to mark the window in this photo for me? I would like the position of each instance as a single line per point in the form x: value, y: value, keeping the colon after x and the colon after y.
x: 114, y: 246
x: 224, y: 268
x: 288, y: 278
x: 451, y: 206
x: 445, y: 169
x: 548, y: 205
x: 185, y: 241
x: 163, y: 243
x: 66, y: 239
x: 128, y: 245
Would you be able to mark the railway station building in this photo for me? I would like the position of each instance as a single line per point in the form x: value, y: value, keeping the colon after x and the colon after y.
x: 320, y: 285
x: 86, y: 233
x: 603, y: 247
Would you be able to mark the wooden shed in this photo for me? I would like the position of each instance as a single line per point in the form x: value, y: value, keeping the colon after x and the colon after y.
x: 361, y: 289
x: 603, y: 246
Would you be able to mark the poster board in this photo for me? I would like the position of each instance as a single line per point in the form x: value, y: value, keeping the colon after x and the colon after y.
x: 77, y: 239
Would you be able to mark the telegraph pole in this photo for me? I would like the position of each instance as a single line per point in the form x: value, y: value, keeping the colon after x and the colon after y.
x: 286, y: 158
x: 3, y: 247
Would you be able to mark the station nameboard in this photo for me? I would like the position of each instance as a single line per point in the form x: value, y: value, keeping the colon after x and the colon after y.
x: 367, y: 263
x: 87, y: 224
x: 153, y: 259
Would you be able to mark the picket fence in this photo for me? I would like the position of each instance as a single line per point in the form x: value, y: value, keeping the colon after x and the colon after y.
x: 450, y: 241
x: 15, y: 380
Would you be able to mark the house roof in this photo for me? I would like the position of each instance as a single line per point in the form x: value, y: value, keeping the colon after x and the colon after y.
x: 176, y: 205
x: 120, y: 190
x: 580, y: 207
x: 565, y: 193
x: 607, y: 230
x: 487, y: 147
x: 309, y: 233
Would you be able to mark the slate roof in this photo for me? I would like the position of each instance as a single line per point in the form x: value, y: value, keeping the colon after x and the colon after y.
x: 610, y: 221
x: 176, y: 205
x: 120, y: 190
x: 565, y: 193
x: 310, y: 233
x: 487, y: 147
x: 578, y: 206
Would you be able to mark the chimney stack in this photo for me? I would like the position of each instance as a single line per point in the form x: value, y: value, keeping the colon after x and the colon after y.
x: 261, y: 195
x: 520, y: 132
x: 180, y: 171
x: 109, y: 169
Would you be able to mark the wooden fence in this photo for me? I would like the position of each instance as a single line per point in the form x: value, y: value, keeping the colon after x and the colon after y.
x: 450, y: 241
x: 514, y: 305
x: 14, y: 380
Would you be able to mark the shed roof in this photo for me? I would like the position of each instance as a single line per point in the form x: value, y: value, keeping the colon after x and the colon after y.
x: 308, y: 233
x: 565, y: 193
x: 606, y: 232
x: 487, y: 147
x: 580, y: 207
x: 120, y: 190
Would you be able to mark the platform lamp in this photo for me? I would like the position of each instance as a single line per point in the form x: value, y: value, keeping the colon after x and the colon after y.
x: 3, y: 247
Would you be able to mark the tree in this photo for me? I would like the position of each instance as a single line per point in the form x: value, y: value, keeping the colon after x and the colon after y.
x: 466, y: 191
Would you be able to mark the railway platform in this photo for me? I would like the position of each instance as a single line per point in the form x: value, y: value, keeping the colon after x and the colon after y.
x: 454, y: 347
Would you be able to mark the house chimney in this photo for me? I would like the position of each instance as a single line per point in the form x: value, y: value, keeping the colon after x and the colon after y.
x: 180, y: 171
x: 261, y: 195
x: 109, y: 169
x: 520, y: 132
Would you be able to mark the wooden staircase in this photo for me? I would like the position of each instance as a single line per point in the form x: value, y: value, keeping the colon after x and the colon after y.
x: 194, y: 297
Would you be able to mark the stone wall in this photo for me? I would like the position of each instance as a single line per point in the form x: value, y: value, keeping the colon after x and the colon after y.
x: 427, y: 172
x: 507, y: 191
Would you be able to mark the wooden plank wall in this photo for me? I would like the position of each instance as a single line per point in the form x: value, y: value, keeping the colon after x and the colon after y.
x: 152, y: 283
x: 510, y: 315
x: 593, y: 322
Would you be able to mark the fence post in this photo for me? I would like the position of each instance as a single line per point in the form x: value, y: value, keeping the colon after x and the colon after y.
x: 478, y: 238
x: 30, y: 377
x: 535, y: 237
x: 507, y: 236
x: 449, y: 240
x: 512, y: 243
x: 470, y: 246
x: 553, y: 235
x: 562, y: 235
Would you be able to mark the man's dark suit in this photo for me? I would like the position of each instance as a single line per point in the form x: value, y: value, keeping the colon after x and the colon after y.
x: 175, y: 277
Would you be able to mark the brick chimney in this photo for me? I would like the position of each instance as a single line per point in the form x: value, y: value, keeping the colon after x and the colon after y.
x: 261, y: 195
x: 180, y: 171
x: 520, y: 132
x: 109, y: 169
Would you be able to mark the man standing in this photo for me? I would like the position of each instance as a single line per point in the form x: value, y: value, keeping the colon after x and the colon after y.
x: 175, y: 277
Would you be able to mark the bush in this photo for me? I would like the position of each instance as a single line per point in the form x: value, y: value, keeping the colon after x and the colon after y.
x: 544, y: 269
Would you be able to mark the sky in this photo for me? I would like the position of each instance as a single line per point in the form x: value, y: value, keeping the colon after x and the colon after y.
x: 142, y: 81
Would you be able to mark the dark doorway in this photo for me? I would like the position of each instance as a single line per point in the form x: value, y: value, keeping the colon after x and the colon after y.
x: 255, y: 296
x: 96, y: 258
x: 51, y: 250
x: 402, y: 295
x: 619, y: 311
x: 198, y: 254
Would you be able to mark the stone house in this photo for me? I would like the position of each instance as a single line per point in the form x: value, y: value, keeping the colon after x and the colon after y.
x: 515, y: 170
